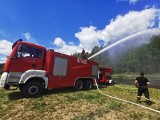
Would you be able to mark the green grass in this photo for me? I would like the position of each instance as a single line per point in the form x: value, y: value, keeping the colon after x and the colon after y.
x: 69, y: 104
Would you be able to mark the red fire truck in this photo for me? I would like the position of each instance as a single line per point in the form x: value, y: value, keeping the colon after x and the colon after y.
x: 32, y: 68
x: 104, y: 76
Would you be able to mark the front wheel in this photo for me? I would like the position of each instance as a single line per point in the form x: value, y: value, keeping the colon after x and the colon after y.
x: 32, y: 89
x: 112, y: 83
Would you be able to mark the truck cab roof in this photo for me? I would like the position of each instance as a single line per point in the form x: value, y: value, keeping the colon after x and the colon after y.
x: 20, y: 41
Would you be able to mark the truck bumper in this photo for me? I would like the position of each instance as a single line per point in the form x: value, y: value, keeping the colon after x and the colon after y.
x: 3, y: 79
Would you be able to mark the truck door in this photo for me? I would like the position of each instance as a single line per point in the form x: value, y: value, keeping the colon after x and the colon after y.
x: 26, y: 58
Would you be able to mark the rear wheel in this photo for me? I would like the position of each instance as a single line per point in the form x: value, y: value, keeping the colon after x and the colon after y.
x: 79, y: 85
x: 88, y: 84
x: 32, y: 89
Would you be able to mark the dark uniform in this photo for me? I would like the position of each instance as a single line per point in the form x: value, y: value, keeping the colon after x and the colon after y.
x: 83, y: 54
x: 141, y: 82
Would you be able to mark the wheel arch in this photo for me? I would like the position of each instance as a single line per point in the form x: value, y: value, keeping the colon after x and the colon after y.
x: 32, y: 75
x: 38, y: 79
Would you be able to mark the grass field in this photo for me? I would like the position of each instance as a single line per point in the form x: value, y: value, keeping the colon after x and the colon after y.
x: 68, y: 104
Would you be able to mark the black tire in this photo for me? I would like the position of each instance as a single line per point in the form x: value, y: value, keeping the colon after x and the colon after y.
x: 32, y: 89
x: 112, y: 83
x: 7, y: 87
x: 88, y: 84
x: 79, y: 85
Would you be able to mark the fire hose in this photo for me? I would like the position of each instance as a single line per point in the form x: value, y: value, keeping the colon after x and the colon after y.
x: 126, y: 101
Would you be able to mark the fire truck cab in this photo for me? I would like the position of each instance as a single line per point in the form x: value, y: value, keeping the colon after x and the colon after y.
x: 104, y: 76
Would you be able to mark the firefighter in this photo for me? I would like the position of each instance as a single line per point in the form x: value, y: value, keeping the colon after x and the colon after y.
x: 83, y: 53
x: 141, y: 83
x: 100, y: 74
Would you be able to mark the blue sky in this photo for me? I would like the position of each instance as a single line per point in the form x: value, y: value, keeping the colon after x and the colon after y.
x: 68, y: 26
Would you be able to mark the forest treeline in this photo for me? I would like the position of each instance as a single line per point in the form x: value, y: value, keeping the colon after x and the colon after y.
x: 1, y: 68
x: 144, y: 58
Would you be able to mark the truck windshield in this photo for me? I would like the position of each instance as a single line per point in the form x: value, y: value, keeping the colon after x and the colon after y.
x: 27, y: 51
x: 108, y: 75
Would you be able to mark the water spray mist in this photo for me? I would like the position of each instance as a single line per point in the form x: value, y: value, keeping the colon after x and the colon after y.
x: 149, y: 33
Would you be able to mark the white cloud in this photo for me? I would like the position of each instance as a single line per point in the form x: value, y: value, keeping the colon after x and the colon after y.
x: 130, y: 1
x: 2, y: 33
x: 62, y: 47
x: 120, y: 27
x: 5, y: 47
x: 133, y: 1
x: 59, y: 42
x: 71, y: 43
x: 3, y: 60
x: 5, y: 50
x: 88, y: 37
x: 29, y: 38
x: 130, y: 23
x: 68, y: 49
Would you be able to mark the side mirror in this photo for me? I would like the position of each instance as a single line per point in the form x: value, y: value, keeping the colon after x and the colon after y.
x: 14, y: 44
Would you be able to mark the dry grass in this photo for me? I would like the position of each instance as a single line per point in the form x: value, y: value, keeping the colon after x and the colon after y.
x: 68, y: 104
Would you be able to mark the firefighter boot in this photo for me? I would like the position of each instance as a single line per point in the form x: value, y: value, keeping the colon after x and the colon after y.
x: 148, y: 102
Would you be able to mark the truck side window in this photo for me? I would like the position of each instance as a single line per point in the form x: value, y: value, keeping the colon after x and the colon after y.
x: 108, y: 75
x: 39, y: 53
x: 60, y: 66
x: 27, y: 51
x: 23, y: 51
